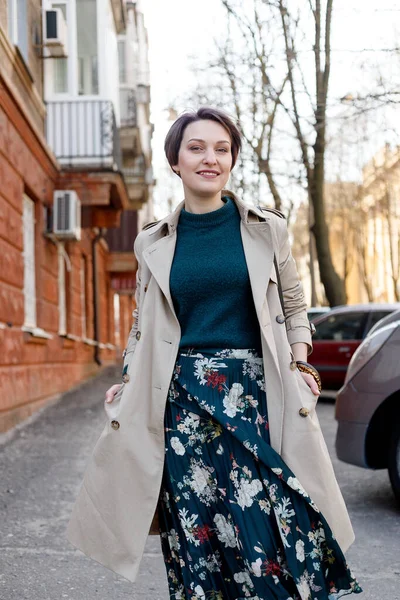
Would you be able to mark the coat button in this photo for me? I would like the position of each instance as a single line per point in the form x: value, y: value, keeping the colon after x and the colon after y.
x: 146, y: 287
x: 115, y: 425
x: 125, y: 378
x: 280, y: 319
x: 304, y: 412
x: 293, y: 365
x: 138, y: 334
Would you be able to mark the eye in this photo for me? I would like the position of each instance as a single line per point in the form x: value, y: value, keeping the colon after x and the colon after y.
x: 195, y: 148
x: 222, y: 150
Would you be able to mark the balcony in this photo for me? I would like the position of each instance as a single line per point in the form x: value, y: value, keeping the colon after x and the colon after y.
x: 128, y: 107
x: 129, y: 131
x: 85, y: 139
x: 138, y: 178
x: 83, y: 133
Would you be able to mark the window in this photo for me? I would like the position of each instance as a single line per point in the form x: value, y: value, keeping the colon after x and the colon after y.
x: 28, y: 222
x: 117, y: 320
x: 122, y: 61
x: 18, y: 25
x: 88, y: 78
x: 60, y: 65
x: 376, y: 316
x: 62, y: 295
x: 64, y: 289
x: 83, y: 297
x: 344, y: 326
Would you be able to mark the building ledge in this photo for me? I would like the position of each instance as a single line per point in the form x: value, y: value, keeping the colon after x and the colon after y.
x: 16, y: 74
x: 35, y: 335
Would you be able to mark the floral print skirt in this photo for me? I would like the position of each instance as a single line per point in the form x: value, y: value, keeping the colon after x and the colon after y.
x: 235, y: 522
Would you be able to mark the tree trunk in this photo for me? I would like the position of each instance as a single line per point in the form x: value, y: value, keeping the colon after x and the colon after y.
x: 333, y: 284
x: 311, y: 250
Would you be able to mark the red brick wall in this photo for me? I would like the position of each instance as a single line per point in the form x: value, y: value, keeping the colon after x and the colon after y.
x: 19, y: 72
x: 34, y: 370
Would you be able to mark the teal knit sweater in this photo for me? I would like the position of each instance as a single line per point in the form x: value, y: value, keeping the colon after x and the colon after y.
x: 210, y: 284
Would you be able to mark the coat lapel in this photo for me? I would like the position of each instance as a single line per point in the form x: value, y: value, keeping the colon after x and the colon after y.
x: 159, y: 257
x: 259, y: 253
x: 257, y: 244
x: 160, y: 254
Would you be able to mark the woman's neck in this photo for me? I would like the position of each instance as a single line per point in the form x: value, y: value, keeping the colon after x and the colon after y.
x: 201, y: 205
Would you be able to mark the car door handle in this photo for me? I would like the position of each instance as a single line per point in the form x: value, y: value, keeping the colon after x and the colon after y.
x: 344, y: 349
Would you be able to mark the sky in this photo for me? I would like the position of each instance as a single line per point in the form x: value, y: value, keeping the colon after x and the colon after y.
x: 182, y: 29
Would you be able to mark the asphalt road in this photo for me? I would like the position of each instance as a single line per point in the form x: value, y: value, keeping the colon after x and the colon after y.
x: 41, y: 465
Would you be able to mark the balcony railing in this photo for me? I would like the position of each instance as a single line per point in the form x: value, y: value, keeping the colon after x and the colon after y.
x: 83, y: 133
x: 128, y: 107
x: 139, y: 175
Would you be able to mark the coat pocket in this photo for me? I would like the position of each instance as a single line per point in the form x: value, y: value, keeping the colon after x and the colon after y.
x: 112, y: 408
x: 308, y: 398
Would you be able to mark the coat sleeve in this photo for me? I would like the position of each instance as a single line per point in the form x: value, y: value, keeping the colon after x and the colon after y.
x: 132, y: 341
x: 297, y: 323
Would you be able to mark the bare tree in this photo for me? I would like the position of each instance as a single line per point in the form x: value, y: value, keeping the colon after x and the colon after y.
x: 273, y: 70
x: 282, y: 113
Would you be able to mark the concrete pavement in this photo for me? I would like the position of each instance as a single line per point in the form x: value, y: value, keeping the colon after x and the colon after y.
x: 41, y: 466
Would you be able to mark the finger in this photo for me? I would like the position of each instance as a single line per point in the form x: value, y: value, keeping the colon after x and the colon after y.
x: 312, y: 384
x: 314, y: 388
x: 110, y: 393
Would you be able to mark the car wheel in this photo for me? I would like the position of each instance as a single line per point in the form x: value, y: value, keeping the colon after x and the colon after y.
x: 394, y: 462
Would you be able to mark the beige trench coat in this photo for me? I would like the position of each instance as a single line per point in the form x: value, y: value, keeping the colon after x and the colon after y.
x: 118, y: 498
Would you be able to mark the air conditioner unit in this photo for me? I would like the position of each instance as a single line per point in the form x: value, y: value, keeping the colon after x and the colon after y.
x: 67, y: 215
x: 55, y: 32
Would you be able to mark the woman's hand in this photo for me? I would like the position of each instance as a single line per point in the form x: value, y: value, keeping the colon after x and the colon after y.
x: 110, y: 393
x: 310, y: 381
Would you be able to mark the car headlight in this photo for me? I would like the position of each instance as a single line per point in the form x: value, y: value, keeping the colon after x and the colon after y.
x: 368, y: 348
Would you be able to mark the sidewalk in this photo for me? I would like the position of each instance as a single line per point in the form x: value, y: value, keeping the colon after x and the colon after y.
x: 41, y: 468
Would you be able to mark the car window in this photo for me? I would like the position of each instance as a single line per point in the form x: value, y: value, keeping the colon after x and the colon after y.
x: 313, y: 314
x: 377, y: 316
x: 390, y: 318
x: 343, y: 326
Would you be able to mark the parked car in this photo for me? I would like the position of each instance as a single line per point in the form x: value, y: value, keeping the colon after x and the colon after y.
x: 338, y: 335
x: 316, y: 311
x: 368, y: 405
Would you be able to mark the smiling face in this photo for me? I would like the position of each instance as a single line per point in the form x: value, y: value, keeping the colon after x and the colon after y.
x: 205, y: 160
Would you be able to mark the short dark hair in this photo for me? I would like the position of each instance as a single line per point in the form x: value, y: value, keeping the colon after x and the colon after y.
x: 205, y: 113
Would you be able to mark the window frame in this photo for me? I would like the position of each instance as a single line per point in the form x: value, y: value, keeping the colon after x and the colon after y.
x: 29, y: 258
x: 18, y: 26
x: 84, y: 296
x: 56, y: 62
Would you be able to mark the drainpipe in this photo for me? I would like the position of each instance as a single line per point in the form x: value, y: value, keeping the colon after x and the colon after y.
x: 96, y: 321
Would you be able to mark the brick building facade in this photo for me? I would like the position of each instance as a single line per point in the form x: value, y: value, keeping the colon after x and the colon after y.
x: 64, y: 309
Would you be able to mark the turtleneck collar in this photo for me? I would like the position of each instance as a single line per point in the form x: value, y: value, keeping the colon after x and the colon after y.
x: 215, y: 217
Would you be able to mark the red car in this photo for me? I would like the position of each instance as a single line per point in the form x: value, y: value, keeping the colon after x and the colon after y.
x: 338, y: 335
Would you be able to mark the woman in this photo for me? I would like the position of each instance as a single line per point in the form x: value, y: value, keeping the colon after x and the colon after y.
x: 214, y: 417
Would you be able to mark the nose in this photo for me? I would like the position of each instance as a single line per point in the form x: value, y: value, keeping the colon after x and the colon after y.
x: 210, y: 157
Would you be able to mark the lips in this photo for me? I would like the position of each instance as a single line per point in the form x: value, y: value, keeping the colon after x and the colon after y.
x: 208, y: 173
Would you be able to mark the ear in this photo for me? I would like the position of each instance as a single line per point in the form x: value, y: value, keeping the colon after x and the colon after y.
x: 176, y: 170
